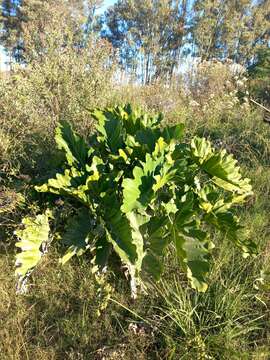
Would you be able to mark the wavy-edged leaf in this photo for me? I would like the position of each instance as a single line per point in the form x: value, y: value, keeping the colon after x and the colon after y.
x: 136, y: 221
x: 210, y: 199
x: 31, y: 238
x: 138, y: 192
x: 132, y: 121
x: 70, y: 183
x: 110, y: 128
x: 131, y: 191
x: 155, y: 234
x: 193, y: 255
x: 94, y: 169
x: 185, y: 210
x: 173, y: 133
x: 222, y: 167
x: 155, y: 242
x: 192, y: 245
x: 226, y: 173
x: 78, y: 235
x: 73, y: 145
x: 166, y: 174
x: 226, y: 222
x: 118, y: 230
x: 201, y: 149
x: 148, y: 138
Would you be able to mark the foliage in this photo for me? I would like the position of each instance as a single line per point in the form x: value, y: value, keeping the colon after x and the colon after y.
x: 230, y: 320
x: 259, y: 74
x: 137, y: 190
x: 148, y: 34
x: 224, y: 29
x: 154, y: 37
x: 27, y: 26
x: 33, y: 242
x: 53, y: 87
x: 62, y: 80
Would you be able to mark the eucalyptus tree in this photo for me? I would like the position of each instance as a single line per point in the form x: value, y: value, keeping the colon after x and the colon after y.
x: 11, y: 18
x: 30, y: 27
x: 149, y: 35
x: 230, y: 29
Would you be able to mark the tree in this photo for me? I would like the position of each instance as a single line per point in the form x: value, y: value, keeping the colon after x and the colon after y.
x: 149, y: 35
x: 230, y: 29
x: 28, y: 25
x: 11, y: 19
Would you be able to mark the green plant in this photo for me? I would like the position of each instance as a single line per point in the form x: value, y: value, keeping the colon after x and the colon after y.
x: 136, y: 190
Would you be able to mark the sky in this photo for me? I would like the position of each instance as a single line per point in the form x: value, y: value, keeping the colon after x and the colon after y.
x: 108, y: 3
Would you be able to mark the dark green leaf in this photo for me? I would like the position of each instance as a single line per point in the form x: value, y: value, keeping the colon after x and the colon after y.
x: 73, y: 145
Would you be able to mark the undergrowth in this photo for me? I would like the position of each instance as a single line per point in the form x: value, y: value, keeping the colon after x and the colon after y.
x: 58, y: 319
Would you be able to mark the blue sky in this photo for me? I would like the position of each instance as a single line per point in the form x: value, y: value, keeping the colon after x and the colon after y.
x: 106, y: 4
x: 109, y: 2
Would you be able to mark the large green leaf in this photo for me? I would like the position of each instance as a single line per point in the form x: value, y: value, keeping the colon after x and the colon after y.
x: 193, y: 254
x: 226, y: 173
x: 201, y: 149
x: 192, y: 245
x: 131, y: 120
x: 222, y: 167
x: 226, y: 222
x: 118, y: 230
x: 155, y: 233
x: 211, y: 200
x: 136, y: 221
x: 70, y: 183
x: 156, y: 239
x: 110, y: 128
x: 138, y: 192
x: 79, y: 235
x: 73, y: 145
x: 94, y: 170
x: 166, y: 174
x: 31, y: 238
x: 148, y: 138
x: 173, y: 133
x: 186, y: 210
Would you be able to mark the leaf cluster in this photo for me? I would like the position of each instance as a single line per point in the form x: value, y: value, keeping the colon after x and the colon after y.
x: 139, y: 190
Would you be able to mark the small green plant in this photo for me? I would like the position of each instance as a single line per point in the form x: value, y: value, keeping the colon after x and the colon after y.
x: 136, y: 189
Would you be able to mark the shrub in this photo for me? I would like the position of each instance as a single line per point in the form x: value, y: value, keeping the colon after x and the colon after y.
x: 208, y: 93
x: 63, y: 71
x: 135, y: 190
x: 259, y: 74
x: 61, y: 86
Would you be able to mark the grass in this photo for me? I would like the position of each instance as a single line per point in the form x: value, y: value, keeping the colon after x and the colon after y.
x: 58, y: 319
